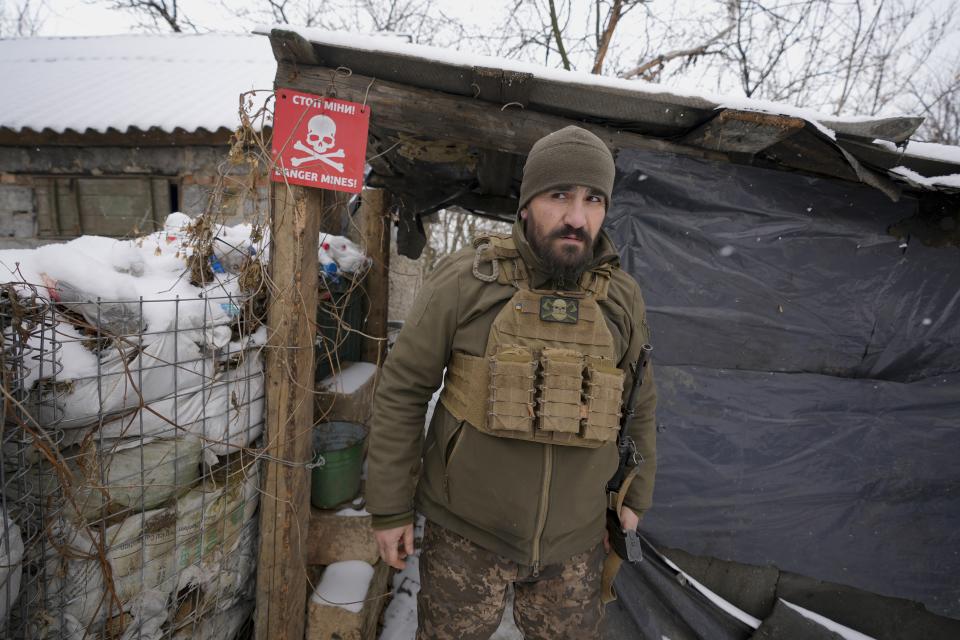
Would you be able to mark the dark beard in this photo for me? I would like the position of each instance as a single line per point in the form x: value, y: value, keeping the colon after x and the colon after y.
x: 562, y: 266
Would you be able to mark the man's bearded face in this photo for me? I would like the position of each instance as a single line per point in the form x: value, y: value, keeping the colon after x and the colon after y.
x: 562, y: 226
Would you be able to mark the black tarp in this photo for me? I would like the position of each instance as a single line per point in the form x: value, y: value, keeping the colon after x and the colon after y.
x: 808, y: 365
x: 653, y: 603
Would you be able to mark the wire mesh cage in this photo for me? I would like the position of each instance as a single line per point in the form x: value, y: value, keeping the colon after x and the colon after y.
x: 132, y: 380
x: 129, y: 471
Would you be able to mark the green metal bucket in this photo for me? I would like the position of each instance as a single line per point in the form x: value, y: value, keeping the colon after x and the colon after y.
x: 337, y: 460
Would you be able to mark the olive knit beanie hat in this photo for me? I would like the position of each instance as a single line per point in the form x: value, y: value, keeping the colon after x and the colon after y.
x: 570, y: 156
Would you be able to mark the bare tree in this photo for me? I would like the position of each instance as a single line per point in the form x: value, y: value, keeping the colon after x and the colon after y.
x: 614, y: 11
x: 453, y: 229
x: 583, y: 35
x: 21, y: 19
x: 938, y: 101
x: 158, y: 15
x: 324, y: 14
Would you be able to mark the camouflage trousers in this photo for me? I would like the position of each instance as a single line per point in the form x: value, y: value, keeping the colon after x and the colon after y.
x: 463, y: 588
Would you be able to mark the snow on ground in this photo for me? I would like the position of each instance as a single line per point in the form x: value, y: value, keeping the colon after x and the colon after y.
x: 400, y: 616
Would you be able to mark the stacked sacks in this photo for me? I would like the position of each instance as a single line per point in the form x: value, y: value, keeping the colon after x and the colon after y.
x: 144, y: 385
x: 141, y: 336
x: 164, y: 566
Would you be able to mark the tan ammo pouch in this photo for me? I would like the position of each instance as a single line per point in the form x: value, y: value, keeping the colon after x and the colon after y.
x: 561, y: 391
x: 513, y: 374
x: 560, y: 396
x: 604, y: 393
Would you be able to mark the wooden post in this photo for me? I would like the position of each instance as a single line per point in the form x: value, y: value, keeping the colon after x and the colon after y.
x: 375, y: 232
x: 285, y: 498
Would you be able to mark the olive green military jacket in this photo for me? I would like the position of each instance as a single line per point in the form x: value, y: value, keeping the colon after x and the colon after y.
x: 486, y: 488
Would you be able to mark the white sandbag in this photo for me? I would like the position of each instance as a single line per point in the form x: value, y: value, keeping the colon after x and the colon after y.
x: 226, y: 413
x: 233, y: 407
x: 140, y: 552
x: 114, y: 476
x: 50, y: 351
x: 128, y: 375
x: 224, y: 577
x: 210, y: 517
x: 222, y: 625
x: 161, y: 418
x: 147, y: 552
x: 11, y: 565
x: 150, y: 612
x: 135, y: 476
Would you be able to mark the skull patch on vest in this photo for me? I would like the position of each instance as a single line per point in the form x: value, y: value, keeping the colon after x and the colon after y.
x: 554, y: 309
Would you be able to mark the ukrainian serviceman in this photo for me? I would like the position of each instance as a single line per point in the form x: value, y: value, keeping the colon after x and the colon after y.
x: 532, y: 336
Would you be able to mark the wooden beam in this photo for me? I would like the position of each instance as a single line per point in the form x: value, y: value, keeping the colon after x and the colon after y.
x: 459, y: 119
x: 734, y: 131
x: 285, y: 498
x: 429, y: 199
x: 375, y: 232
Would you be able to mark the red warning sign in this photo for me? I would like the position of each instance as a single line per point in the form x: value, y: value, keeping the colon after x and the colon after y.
x: 319, y: 142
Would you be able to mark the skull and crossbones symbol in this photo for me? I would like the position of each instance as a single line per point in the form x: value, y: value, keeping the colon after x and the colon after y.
x: 558, y: 310
x: 321, y: 136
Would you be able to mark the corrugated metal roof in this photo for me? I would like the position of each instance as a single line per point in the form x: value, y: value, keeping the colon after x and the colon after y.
x: 139, y: 82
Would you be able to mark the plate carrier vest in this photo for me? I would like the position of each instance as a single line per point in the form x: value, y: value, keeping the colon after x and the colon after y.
x: 549, y: 370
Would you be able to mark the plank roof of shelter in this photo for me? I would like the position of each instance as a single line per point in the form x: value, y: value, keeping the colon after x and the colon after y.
x: 877, y: 151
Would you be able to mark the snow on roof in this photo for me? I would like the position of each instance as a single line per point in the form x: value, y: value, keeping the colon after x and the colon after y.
x: 175, y: 81
x: 944, y: 152
x: 914, y: 178
x: 465, y: 58
x: 829, y: 125
x: 192, y: 81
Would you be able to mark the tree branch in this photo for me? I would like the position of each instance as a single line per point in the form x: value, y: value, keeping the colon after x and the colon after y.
x: 555, y: 27
x: 662, y: 59
x: 613, y: 18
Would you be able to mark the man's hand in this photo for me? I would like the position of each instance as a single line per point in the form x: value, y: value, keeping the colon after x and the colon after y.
x: 395, y: 545
x: 629, y: 521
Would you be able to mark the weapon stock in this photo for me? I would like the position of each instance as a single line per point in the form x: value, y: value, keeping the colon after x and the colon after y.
x: 626, y: 543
